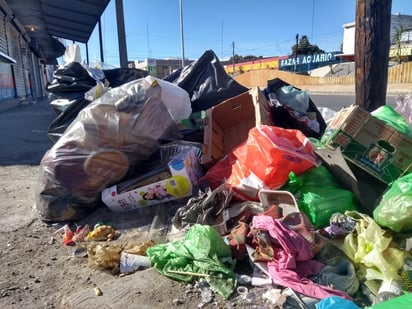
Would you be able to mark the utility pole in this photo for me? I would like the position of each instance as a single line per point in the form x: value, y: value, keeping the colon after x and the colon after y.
x: 121, y: 34
x: 296, y: 50
x: 372, y: 42
x: 181, y: 33
x: 233, y: 57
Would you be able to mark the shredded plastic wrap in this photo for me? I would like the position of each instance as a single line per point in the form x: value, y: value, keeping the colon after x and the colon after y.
x: 108, y: 138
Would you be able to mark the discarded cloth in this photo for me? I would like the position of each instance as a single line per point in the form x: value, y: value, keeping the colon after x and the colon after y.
x: 341, y: 276
x: 292, y: 263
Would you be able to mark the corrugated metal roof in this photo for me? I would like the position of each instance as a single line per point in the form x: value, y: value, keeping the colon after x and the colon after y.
x: 46, y: 20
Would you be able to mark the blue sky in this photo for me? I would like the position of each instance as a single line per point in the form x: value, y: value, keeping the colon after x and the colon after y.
x: 255, y: 27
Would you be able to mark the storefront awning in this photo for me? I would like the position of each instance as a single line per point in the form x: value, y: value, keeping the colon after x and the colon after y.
x: 46, y: 20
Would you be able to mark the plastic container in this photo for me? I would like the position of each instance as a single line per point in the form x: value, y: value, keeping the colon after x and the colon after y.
x: 284, y: 199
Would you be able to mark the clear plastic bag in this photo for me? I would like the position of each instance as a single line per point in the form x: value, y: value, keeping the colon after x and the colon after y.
x: 109, y: 137
x: 295, y: 98
x: 394, y: 211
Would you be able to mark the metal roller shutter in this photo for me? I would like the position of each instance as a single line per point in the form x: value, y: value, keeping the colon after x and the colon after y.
x: 3, y: 37
x: 7, y: 90
x: 18, y: 70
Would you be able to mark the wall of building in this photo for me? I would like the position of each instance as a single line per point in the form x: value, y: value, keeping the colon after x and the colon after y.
x: 398, y: 22
x: 22, y: 79
x: 160, y: 68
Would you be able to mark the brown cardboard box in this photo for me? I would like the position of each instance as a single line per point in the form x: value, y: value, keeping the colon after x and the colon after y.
x: 370, y: 143
x: 227, y: 124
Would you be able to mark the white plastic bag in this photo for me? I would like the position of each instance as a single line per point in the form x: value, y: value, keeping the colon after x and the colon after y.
x: 175, y: 98
x: 72, y: 54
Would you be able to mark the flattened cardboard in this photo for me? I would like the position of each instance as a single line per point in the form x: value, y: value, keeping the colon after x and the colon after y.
x: 367, y: 189
x: 370, y: 143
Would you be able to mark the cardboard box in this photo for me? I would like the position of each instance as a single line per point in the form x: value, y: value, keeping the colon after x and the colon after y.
x: 185, y: 169
x: 367, y: 189
x: 370, y: 143
x: 227, y: 124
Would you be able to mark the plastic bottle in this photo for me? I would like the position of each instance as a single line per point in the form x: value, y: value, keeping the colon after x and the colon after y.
x: 388, y: 290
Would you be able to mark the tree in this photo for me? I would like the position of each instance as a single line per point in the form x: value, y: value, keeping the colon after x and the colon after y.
x: 398, y: 40
x: 239, y: 58
x: 305, y: 48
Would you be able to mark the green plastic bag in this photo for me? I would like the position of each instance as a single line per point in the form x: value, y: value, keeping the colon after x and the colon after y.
x: 202, y: 253
x: 400, y: 302
x: 321, y: 203
x: 392, y: 118
x: 394, y: 211
x: 319, y: 195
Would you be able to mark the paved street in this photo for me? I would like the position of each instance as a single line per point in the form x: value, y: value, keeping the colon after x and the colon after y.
x: 337, y: 101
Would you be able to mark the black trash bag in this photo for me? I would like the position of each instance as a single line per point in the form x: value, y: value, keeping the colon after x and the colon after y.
x: 110, y: 137
x: 72, y: 77
x: 119, y: 76
x: 65, y: 118
x: 282, y: 117
x: 206, y: 81
x: 74, y: 102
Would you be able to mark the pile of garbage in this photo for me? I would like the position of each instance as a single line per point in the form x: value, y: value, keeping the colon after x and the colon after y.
x: 272, y: 203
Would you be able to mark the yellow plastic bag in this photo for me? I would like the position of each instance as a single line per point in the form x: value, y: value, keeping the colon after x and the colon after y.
x: 370, y: 248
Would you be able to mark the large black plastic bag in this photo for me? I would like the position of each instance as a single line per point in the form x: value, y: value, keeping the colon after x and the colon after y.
x: 72, y: 77
x: 282, y: 118
x: 110, y: 137
x: 206, y: 81
x: 68, y: 90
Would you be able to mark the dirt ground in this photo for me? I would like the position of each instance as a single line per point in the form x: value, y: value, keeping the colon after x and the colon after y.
x: 38, y: 270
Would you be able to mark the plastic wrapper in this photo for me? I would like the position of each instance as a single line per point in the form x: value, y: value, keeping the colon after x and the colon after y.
x: 206, y: 81
x: 263, y: 161
x: 109, y: 137
x: 394, y: 211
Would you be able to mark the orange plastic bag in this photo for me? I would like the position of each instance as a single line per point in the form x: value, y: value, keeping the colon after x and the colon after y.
x: 263, y: 161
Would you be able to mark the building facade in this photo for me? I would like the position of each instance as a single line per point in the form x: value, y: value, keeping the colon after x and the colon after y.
x: 159, y: 68
x: 22, y: 75
x: 400, y: 39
